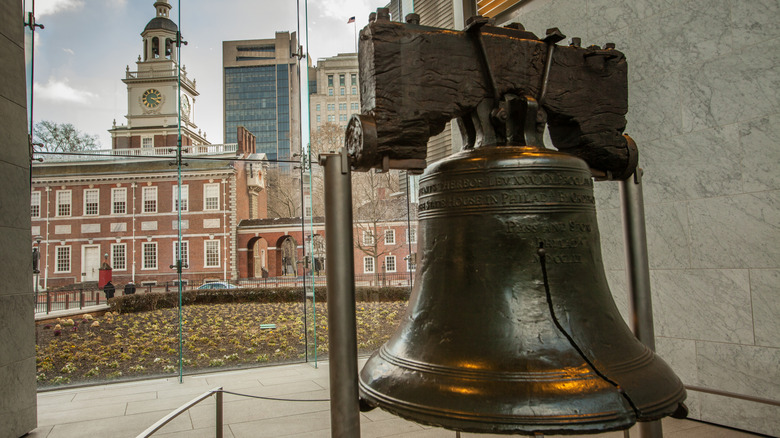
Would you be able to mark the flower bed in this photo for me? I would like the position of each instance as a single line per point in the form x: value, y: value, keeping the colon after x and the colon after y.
x: 218, y: 335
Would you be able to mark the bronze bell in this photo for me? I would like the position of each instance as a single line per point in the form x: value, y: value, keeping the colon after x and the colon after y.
x: 511, y: 327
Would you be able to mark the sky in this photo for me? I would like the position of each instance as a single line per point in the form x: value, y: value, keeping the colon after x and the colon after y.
x: 81, y: 54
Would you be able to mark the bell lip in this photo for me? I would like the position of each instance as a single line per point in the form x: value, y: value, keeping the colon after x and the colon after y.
x: 490, y: 415
x: 562, y: 425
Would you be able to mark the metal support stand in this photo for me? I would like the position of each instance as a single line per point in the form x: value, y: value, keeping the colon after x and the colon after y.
x: 220, y: 419
x: 342, y: 331
x: 641, y: 306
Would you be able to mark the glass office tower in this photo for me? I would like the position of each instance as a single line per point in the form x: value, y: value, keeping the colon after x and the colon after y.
x: 261, y: 93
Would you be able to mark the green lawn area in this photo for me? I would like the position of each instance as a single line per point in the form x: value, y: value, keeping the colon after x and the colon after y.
x: 214, y: 336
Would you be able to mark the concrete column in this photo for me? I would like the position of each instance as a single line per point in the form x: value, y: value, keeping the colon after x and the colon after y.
x: 18, y: 411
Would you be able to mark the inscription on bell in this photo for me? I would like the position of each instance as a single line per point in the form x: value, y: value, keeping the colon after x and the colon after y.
x: 506, y: 181
x: 504, y: 198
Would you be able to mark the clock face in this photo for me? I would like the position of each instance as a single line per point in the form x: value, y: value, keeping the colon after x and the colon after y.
x: 151, y: 98
x: 185, y: 106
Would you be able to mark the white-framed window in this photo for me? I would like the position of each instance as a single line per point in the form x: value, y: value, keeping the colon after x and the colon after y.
x: 354, y: 106
x: 212, y: 254
x: 332, y: 118
x: 147, y: 141
x: 35, y: 204
x: 368, y: 265
x: 354, y: 79
x: 211, y: 196
x: 342, y: 106
x: 185, y: 253
x: 119, y: 200
x: 342, y: 91
x: 330, y: 91
x: 389, y: 237
x: 319, y: 118
x: 63, y: 203
x: 330, y: 80
x: 185, y: 198
x: 342, y: 79
x: 331, y: 107
x: 368, y: 238
x: 91, y: 202
x: 149, y: 255
x: 390, y: 263
x: 119, y: 256
x: 412, y: 235
x: 411, y: 262
x: 354, y: 90
x: 342, y: 117
x: 149, y: 199
x: 62, y: 259
x: 318, y: 107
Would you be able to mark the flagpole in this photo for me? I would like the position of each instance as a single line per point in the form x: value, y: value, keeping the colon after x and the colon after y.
x: 354, y: 24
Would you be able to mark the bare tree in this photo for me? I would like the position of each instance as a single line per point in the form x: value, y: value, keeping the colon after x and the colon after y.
x: 374, y: 204
x: 284, y: 191
x: 62, y: 137
x: 285, y: 194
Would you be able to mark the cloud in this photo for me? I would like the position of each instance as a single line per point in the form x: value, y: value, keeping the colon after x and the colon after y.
x: 51, y: 7
x: 60, y: 91
x: 70, y: 51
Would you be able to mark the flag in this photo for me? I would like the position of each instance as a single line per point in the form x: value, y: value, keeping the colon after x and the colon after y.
x: 351, y: 20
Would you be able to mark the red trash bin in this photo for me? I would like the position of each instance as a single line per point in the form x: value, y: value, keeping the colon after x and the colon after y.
x: 104, y: 275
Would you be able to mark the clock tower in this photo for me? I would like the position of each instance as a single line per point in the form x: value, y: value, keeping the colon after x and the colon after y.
x: 154, y: 100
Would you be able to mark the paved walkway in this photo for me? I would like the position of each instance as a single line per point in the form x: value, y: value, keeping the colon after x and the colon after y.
x: 126, y: 409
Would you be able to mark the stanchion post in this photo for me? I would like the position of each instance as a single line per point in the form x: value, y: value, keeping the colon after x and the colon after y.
x: 219, y: 414
x: 638, y: 271
x: 342, y: 331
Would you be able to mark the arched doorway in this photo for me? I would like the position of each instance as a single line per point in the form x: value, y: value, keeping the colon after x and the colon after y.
x: 289, y: 257
x: 318, y: 254
x: 258, y: 258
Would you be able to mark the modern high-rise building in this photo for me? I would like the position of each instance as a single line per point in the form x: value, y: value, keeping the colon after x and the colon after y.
x: 335, y: 97
x: 261, y: 92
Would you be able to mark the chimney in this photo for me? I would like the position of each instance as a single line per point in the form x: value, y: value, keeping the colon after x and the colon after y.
x: 246, y: 142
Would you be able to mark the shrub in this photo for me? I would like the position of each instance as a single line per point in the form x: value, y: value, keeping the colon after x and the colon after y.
x: 153, y: 301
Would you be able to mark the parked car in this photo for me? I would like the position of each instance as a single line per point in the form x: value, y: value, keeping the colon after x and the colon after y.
x: 217, y: 285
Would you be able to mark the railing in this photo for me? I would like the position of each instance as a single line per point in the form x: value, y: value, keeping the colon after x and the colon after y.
x: 50, y: 301
x: 164, y: 151
x: 220, y: 419
x: 380, y: 279
x: 156, y: 74
x: 184, y: 408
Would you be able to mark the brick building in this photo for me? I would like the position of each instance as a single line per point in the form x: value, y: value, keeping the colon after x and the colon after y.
x: 125, y: 210
x: 275, y: 247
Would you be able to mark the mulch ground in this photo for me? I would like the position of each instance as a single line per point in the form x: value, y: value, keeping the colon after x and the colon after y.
x: 111, y: 346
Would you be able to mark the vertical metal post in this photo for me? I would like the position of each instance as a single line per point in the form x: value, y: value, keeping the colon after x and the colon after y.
x: 219, y: 414
x: 640, y: 301
x: 342, y: 331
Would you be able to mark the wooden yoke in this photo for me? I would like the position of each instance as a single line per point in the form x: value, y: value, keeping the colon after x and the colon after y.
x: 414, y: 79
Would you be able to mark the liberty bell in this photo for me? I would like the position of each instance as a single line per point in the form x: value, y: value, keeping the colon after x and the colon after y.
x: 511, y: 326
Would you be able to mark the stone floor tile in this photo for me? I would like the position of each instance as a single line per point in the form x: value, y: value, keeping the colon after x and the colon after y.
x: 384, y: 428
x: 40, y: 432
x: 315, y: 423
x: 122, y: 426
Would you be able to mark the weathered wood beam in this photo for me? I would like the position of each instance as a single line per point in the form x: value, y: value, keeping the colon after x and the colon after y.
x: 414, y: 79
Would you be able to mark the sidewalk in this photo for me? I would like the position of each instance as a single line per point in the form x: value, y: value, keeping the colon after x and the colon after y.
x: 70, y: 312
x: 126, y: 409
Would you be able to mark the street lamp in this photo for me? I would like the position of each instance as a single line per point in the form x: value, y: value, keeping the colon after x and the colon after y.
x: 36, y: 259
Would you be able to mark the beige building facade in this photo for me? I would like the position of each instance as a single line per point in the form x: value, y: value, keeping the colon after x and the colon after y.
x: 337, y: 94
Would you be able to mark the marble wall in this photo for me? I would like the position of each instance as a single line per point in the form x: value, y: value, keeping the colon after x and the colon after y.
x: 704, y: 108
x: 17, y: 343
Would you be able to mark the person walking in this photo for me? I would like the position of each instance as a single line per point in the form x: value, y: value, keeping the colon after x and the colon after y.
x: 109, y: 290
